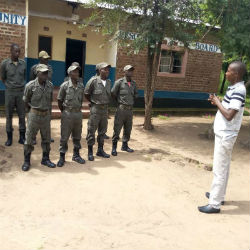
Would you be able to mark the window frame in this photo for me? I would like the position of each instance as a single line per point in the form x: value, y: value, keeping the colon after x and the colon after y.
x: 41, y: 35
x: 183, y: 61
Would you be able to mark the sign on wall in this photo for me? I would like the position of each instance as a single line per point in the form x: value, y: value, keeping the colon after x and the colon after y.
x: 196, y: 45
x: 206, y: 47
x: 13, y: 19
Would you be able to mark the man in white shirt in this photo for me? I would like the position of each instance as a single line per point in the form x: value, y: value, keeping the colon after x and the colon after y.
x: 226, y: 128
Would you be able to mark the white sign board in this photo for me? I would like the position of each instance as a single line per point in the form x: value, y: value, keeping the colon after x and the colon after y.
x: 13, y: 19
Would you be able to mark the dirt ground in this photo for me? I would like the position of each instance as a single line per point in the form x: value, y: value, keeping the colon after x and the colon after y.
x: 144, y: 200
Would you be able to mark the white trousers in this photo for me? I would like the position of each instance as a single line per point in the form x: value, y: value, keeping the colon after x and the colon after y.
x: 221, y: 164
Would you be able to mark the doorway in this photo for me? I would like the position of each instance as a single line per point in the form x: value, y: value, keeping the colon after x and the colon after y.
x: 75, y: 52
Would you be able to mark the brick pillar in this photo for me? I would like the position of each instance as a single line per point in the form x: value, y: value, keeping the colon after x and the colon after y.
x: 13, y: 21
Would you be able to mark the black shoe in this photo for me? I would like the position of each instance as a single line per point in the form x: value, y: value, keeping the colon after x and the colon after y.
x: 106, y: 137
x: 90, y: 153
x: 26, y: 164
x: 100, y: 152
x: 9, y: 139
x: 126, y: 148
x: 208, y: 195
x: 46, y: 161
x: 34, y: 142
x: 77, y: 158
x: 21, y: 137
x: 208, y: 209
x: 114, y: 147
x: 52, y: 140
x: 61, y: 161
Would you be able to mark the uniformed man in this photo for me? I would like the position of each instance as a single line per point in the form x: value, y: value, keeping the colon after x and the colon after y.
x: 124, y: 92
x: 13, y: 72
x: 70, y: 98
x: 97, y: 91
x: 38, y: 96
x: 43, y: 58
x: 106, y: 137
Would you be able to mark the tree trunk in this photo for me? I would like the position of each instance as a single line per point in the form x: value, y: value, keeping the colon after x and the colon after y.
x: 223, y: 83
x: 152, y: 67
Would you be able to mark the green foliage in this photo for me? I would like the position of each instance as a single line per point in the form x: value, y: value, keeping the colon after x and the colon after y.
x: 246, y: 113
x: 233, y: 16
x: 144, y: 23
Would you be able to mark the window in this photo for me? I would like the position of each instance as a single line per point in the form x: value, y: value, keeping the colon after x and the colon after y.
x: 171, y: 61
x: 45, y: 43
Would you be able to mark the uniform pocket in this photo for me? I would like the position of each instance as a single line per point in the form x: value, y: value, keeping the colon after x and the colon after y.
x: 48, y: 95
x: 97, y: 92
x: 123, y: 92
x: 21, y: 71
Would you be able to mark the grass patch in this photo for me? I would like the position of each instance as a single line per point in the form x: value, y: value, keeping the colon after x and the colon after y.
x: 246, y: 113
x: 247, y: 105
x: 163, y: 117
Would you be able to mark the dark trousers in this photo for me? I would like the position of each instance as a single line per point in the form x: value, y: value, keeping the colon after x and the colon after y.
x: 14, y: 100
x: 123, y: 118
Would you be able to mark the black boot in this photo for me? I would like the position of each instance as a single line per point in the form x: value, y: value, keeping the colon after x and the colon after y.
x: 21, y: 137
x: 114, y: 146
x: 46, y: 161
x: 100, y: 152
x: 9, y: 139
x: 126, y: 148
x: 26, y: 164
x: 76, y: 157
x: 61, y: 161
x: 90, y: 153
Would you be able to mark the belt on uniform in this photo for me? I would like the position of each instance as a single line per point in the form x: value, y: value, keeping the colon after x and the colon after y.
x: 101, y: 106
x: 39, y: 111
x: 15, y: 90
x: 123, y: 106
x: 72, y: 109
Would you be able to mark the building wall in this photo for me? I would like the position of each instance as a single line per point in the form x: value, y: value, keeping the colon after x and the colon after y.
x: 201, y: 77
x: 11, y: 28
x: 56, y: 17
x: 58, y: 29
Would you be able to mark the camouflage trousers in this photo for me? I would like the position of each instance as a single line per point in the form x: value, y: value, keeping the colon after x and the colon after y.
x: 34, y: 124
x: 14, y: 100
x: 123, y: 118
x: 71, y: 124
x: 98, y: 120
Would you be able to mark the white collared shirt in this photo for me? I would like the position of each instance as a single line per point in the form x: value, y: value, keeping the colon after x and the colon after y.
x: 233, y: 99
x: 104, y: 82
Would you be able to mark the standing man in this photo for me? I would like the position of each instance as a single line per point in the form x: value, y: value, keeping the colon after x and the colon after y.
x: 13, y: 72
x: 43, y: 58
x: 38, y: 96
x: 124, y: 92
x: 106, y: 137
x: 227, y: 124
x: 70, y: 98
x: 97, y: 92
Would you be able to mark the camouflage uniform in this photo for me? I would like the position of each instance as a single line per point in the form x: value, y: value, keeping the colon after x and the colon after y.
x: 71, y: 119
x: 39, y: 99
x: 125, y: 96
x: 13, y: 77
x: 100, y: 98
